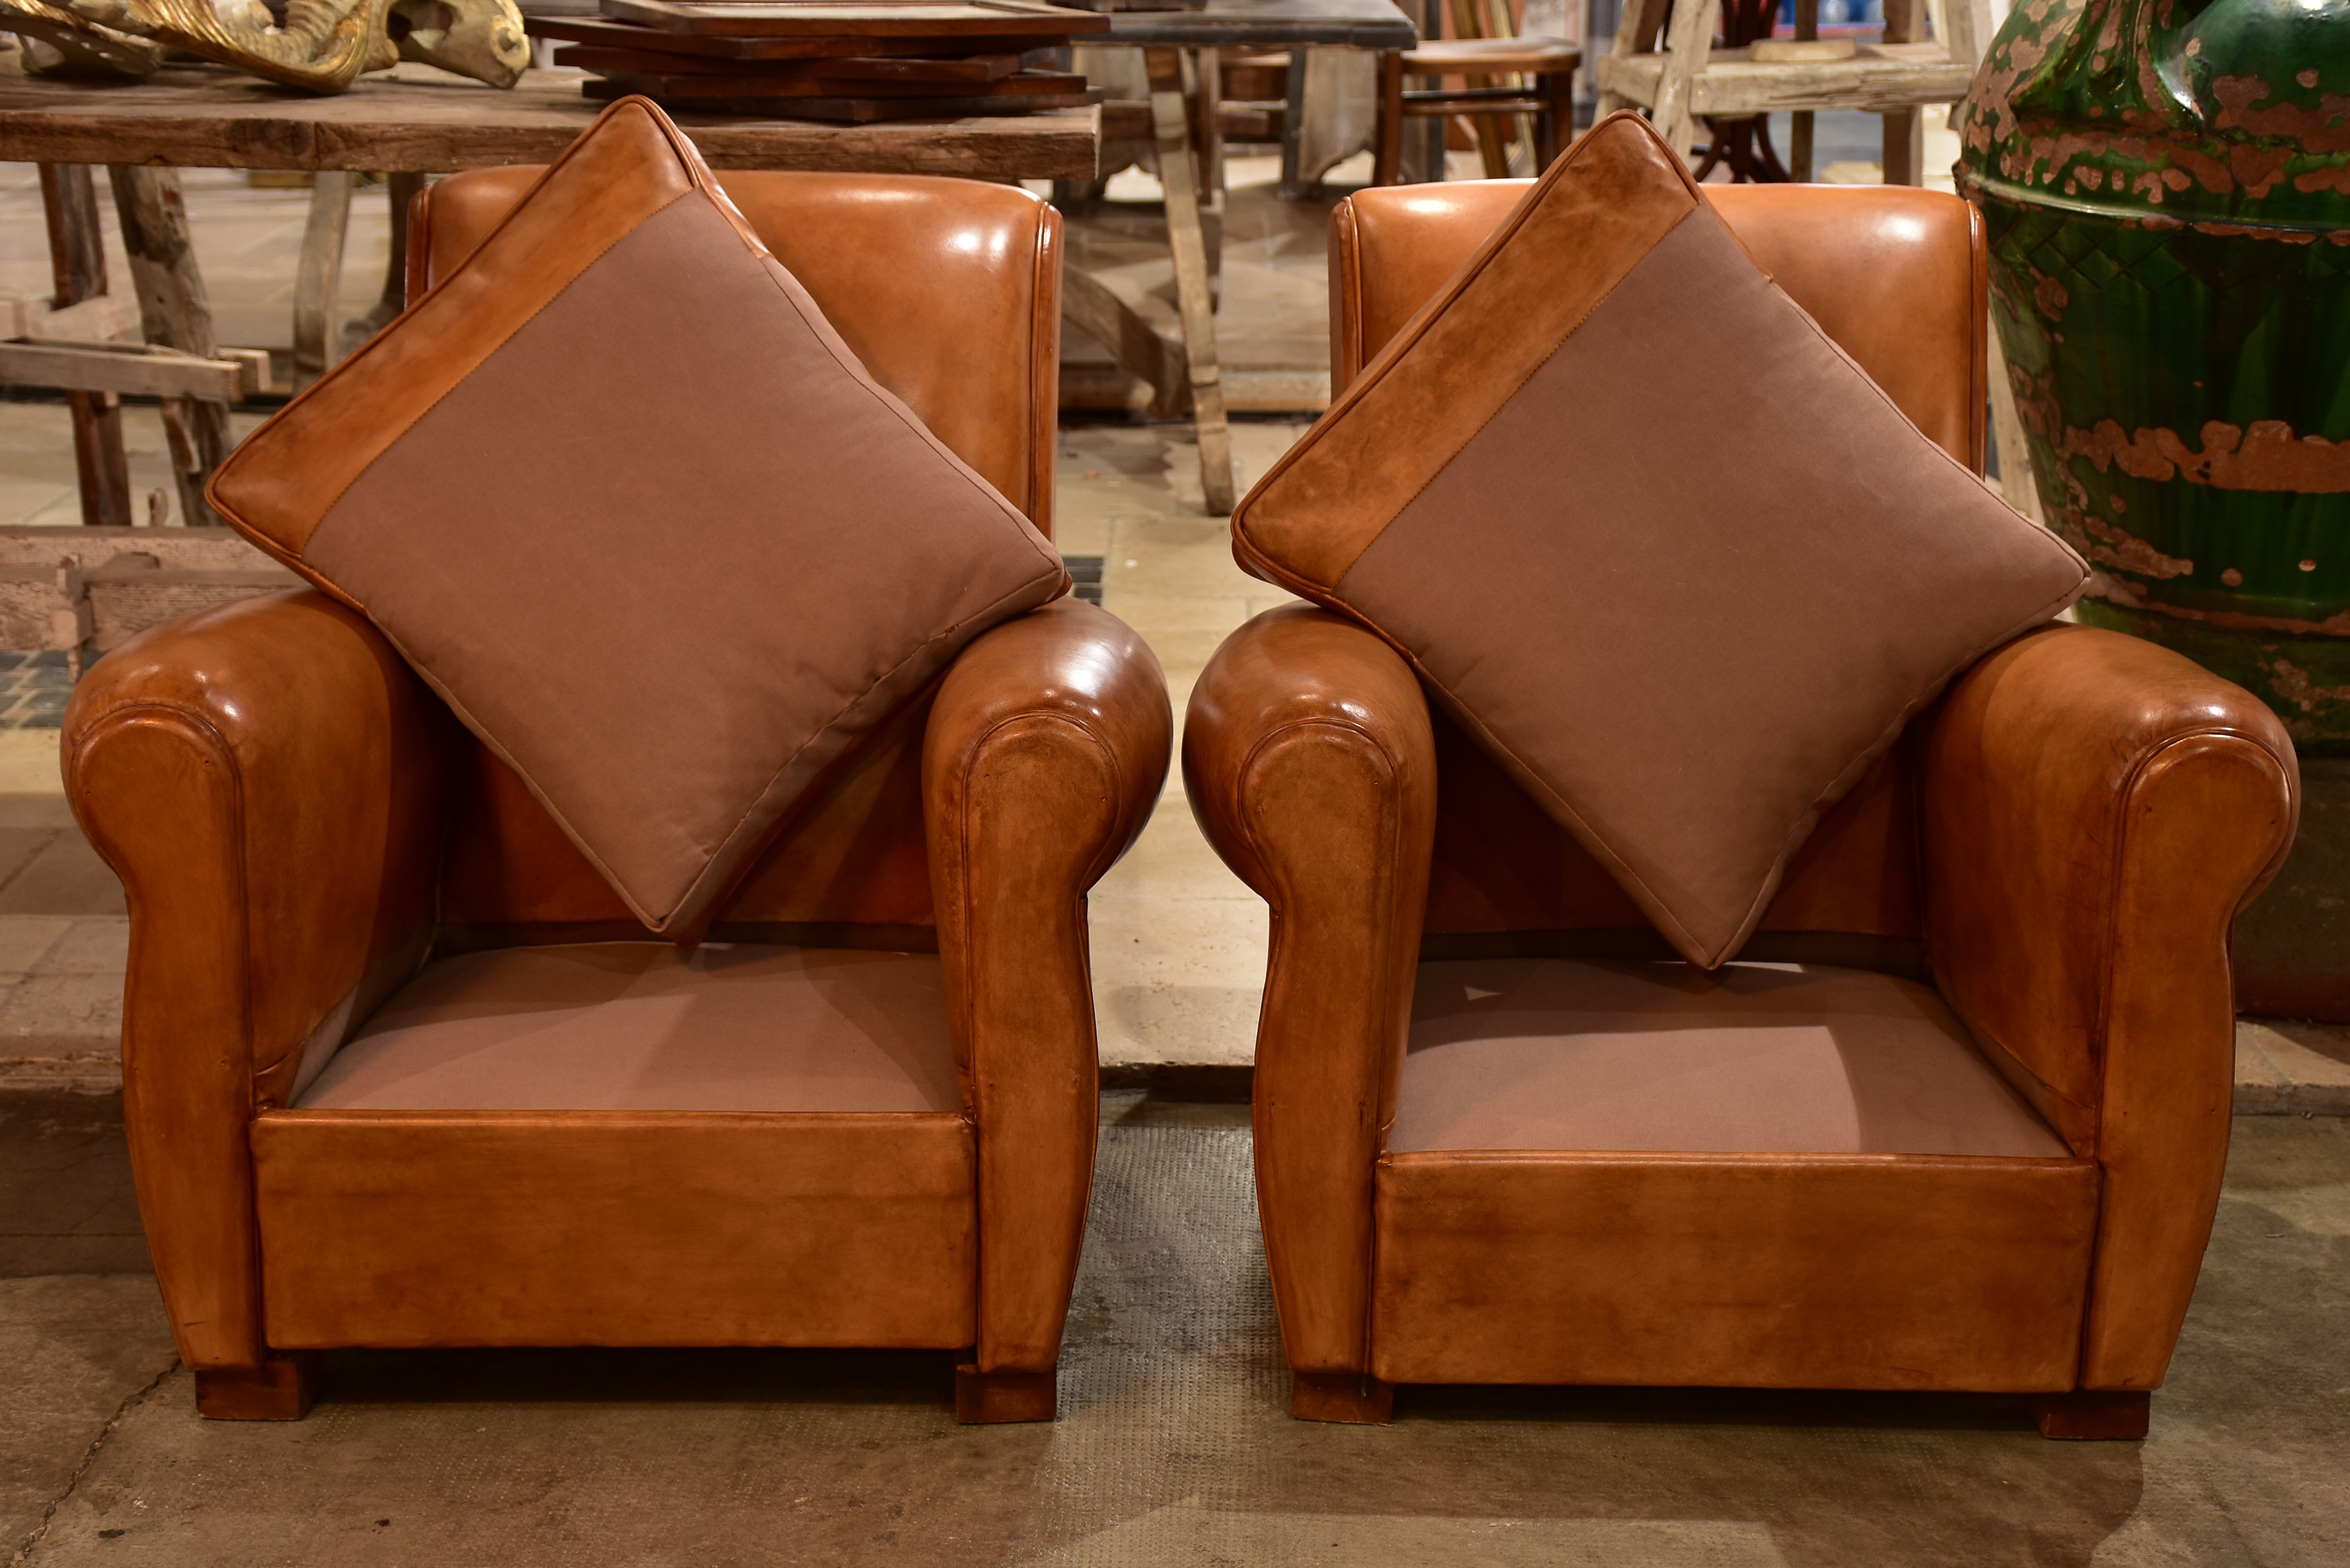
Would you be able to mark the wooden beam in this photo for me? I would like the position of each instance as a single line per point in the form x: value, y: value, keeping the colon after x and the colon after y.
x: 1689, y: 42
x: 78, y: 270
x: 1179, y: 173
x: 143, y: 372
x: 175, y: 313
x: 1140, y: 351
x: 1879, y: 79
x: 416, y: 119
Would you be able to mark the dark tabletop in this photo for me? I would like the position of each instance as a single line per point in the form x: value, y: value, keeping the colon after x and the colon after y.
x: 1267, y: 24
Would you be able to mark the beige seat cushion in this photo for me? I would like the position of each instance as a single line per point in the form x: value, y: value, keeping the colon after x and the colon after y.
x: 610, y: 1026
x: 1559, y: 1053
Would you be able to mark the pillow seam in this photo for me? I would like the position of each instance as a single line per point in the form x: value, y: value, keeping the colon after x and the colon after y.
x: 450, y: 391
x: 872, y: 686
x: 895, y: 407
x: 1531, y: 372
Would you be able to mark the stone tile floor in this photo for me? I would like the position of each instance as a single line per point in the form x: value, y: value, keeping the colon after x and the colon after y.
x: 33, y: 689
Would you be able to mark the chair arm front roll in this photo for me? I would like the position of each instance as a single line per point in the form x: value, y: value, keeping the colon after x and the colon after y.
x: 1311, y: 766
x: 267, y: 779
x: 2095, y: 811
x: 1045, y: 750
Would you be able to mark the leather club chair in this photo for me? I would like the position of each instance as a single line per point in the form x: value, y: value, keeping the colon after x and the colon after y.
x: 2052, y: 854
x: 553, y: 1155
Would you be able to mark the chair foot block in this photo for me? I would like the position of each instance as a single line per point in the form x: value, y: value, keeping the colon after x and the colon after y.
x: 2094, y: 1414
x: 280, y: 1389
x: 1354, y: 1397
x: 985, y: 1397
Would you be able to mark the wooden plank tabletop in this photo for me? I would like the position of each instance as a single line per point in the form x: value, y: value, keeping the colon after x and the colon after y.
x: 1267, y: 24
x: 415, y: 119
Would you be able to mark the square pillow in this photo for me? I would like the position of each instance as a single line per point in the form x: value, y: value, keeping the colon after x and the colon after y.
x: 624, y: 498
x: 1650, y: 535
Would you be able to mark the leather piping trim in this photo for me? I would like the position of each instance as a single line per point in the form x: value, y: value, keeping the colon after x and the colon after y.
x: 967, y: 1004
x: 783, y: 1120
x: 1822, y: 1159
x: 1978, y: 337
x: 1044, y: 368
x: 1409, y: 334
x: 1391, y: 830
x: 200, y: 730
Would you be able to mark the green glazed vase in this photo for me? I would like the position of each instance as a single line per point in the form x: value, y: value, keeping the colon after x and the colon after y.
x: 2167, y: 186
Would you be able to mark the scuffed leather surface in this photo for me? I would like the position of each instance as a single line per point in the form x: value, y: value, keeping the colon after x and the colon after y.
x: 2096, y: 810
x: 401, y: 1229
x: 267, y: 778
x: 1754, y: 1271
x: 1044, y: 753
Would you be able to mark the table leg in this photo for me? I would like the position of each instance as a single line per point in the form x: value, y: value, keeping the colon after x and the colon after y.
x: 1387, y: 153
x: 174, y: 311
x: 1179, y: 175
x: 317, y: 274
x: 394, y: 298
x: 77, y: 268
x: 1293, y: 129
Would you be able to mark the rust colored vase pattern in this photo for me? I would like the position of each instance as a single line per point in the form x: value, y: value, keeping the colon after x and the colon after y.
x: 2167, y: 191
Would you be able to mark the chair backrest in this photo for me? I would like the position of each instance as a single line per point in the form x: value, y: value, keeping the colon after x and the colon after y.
x: 950, y: 292
x: 1898, y: 277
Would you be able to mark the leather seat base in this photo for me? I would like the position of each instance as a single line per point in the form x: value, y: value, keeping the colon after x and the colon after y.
x: 404, y: 1229
x: 1815, y: 1271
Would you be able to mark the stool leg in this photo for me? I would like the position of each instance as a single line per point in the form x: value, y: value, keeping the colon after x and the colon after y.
x: 1387, y: 156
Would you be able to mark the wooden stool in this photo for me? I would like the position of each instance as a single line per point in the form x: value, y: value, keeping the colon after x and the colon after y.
x: 1550, y: 100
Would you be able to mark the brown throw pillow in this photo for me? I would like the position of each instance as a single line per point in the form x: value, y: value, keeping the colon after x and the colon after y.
x: 624, y: 498
x: 1650, y: 535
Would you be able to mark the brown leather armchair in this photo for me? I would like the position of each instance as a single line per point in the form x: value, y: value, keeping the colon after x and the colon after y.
x: 399, y: 1070
x: 1965, y: 1133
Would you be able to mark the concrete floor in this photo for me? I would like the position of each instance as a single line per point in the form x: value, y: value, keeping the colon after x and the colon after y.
x: 1174, y: 1445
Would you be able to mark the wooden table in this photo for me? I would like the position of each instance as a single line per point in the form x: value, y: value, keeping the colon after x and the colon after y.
x: 1170, y: 42
x: 407, y: 122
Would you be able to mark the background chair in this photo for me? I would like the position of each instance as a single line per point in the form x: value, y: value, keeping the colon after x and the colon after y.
x: 1974, y: 1141
x: 869, y: 1122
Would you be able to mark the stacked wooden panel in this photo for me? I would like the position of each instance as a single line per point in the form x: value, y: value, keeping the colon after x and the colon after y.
x: 848, y: 61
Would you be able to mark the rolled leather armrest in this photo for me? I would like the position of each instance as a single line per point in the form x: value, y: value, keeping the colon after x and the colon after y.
x: 2095, y: 811
x: 1045, y: 750
x: 265, y: 777
x: 1311, y: 766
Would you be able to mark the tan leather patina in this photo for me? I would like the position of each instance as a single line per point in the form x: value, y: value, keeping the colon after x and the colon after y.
x: 299, y: 822
x: 2058, y: 848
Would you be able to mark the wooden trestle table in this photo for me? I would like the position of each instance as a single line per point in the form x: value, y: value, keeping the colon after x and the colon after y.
x: 406, y: 123
x: 1176, y: 45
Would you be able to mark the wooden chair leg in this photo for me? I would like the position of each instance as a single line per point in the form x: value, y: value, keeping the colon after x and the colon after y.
x: 1387, y: 154
x: 2094, y: 1414
x: 985, y: 1398
x: 1354, y: 1398
x: 281, y: 1388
